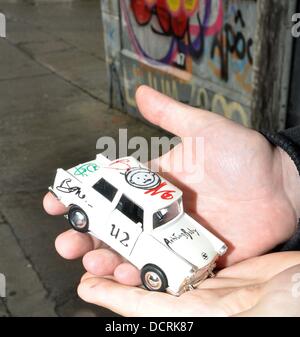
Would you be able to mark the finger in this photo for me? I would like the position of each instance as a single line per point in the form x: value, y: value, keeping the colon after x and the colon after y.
x: 52, y: 206
x: 101, y: 262
x: 171, y: 115
x: 125, y: 300
x: 127, y: 274
x: 86, y: 276
x: 262, y: 268
x: 276, y: 297
x: 72, y: 245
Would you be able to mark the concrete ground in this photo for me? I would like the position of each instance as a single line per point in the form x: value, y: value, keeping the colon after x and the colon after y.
x: 53, y: 108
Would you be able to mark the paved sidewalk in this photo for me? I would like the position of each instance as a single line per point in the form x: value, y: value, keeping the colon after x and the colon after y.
x: 53, y: 108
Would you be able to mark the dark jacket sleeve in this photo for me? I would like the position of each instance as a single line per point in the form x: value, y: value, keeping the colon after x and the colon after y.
x: 289, y: 141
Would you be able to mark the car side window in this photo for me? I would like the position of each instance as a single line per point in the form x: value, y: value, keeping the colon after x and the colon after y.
x: 130, y: 209
x: 106, y: 189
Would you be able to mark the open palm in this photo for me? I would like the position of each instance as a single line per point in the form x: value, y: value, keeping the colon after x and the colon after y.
x: 261, y: 286
x: 242, y: 196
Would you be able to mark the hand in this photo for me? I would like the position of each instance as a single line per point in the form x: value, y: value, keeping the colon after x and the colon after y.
x: 247, y: 195
x: 262, y: 286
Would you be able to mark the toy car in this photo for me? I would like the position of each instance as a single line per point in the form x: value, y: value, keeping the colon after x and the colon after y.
x: 140, y: 215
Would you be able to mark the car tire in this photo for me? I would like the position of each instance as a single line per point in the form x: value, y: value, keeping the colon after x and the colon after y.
x: 154, y: 278
x: 78, y: 219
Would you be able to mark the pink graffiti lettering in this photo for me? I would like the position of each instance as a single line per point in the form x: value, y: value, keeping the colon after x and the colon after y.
x: 120, y: 164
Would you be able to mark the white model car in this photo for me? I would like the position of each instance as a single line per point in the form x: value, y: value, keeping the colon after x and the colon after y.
x: 140, y: 215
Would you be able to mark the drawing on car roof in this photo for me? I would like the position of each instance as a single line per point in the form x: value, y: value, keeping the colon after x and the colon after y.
x: 140, y: 215
x: 142, y: 178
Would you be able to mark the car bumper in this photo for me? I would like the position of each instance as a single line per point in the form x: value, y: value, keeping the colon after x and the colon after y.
x: 195, y: 279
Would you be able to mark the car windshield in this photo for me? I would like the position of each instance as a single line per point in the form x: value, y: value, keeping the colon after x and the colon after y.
x: 167, y: 214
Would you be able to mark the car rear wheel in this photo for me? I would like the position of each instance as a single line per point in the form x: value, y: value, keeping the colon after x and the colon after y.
x: 78, y: 219
x: 154, y: 278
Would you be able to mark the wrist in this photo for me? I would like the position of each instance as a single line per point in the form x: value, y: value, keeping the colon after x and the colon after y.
x: 291, y: 181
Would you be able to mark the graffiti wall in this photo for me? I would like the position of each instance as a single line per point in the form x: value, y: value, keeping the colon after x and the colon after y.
x: 195, y: 50
x: 201, y: 52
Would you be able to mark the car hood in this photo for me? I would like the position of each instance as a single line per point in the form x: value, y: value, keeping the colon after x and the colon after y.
x: 185, y: 239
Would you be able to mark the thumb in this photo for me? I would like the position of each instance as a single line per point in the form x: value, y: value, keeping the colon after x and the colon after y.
x: 125, y: 300
x: 175, y: 117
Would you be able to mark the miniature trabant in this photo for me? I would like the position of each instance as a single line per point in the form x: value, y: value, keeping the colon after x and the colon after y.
x: 140, y: 215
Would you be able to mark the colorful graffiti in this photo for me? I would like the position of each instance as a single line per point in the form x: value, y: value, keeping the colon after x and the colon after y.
x: 209, y: 54
x: 198, y: 51
x: 231, y: 42
x: 174, y: 19
x: 192, y: 93
x: 192, y: 35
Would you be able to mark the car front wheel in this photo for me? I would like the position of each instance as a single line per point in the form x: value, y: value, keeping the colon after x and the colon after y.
x: 78, y: 219
x: 154, y: 278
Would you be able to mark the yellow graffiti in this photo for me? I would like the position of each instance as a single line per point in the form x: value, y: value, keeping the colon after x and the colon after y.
x: 199, y: 96
x: 202, y: 99
x: 242, y: 79
x: 174, y: 6
x: 190, y: 6
x: 215, y: 70
x: 220, y: 105
x: 129, y: 99
x: 170, y: 88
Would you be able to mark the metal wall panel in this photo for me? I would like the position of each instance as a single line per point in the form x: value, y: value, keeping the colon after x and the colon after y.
x: 231, y: 56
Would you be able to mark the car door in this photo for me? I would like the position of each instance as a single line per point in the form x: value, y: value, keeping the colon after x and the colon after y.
x: 103, y: 198
x: 124, y: 226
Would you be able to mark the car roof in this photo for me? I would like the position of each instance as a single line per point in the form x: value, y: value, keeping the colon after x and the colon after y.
x: 143, y: 186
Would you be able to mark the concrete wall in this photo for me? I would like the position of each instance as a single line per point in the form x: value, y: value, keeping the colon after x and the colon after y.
x: 227, y: 56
